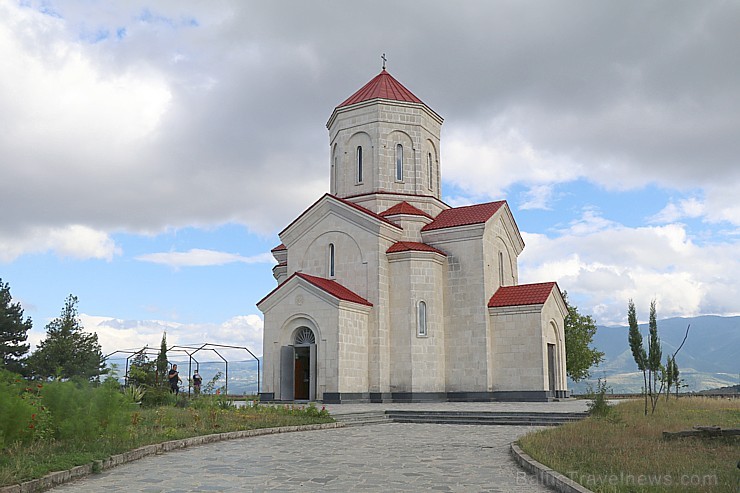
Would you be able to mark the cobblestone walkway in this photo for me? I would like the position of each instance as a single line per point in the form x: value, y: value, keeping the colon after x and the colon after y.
x: 385, y: 457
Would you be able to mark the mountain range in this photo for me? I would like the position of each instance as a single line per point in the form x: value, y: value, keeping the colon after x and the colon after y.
x: 710, y: 358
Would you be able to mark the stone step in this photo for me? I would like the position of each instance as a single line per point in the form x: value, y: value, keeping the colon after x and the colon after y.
x: 362, y: 418
x: 484, y: 418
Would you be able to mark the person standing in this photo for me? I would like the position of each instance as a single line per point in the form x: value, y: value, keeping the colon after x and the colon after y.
x: 197, y: 380
x: 174, y: 377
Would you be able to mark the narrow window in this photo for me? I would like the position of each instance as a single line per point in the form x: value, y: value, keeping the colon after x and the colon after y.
x: 359, y: 164
x: 500, y: 268
x: 334, y: 176
x: 429, y: 161
x: 399, y: 162
x: 422, y: 319
x: 331, y: 260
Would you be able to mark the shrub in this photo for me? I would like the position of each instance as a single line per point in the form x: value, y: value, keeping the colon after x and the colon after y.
x: 598, y: 405
x: 17, y: 411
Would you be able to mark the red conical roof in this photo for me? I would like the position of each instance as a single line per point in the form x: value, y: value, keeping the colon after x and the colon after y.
x: 383, y: 86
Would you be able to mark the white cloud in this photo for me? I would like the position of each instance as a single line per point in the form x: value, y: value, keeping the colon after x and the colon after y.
x: 537, y: 197
x: 197, y: 257
x: 687, y: 208
x: 616, y: 263
x: 116, y: 334
x: 75, y: 241
x: 486, y: 161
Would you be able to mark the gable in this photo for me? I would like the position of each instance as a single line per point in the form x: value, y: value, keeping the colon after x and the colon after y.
x: 353, y: 213
x: 324, y: 288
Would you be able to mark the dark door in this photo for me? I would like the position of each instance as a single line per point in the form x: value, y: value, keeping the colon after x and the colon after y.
x: 551, y: 367
x: 302, y: 372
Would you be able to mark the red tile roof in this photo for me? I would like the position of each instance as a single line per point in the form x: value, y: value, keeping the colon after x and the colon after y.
x: 332, y: 287
x: 383, y: 86
x: 462, y: 216
x: 404, y: 208
x: 405, y: 246
x: 523, y: 294
x: 279, y: 247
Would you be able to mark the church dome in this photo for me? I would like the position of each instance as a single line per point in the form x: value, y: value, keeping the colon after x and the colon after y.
x: 382, y: 86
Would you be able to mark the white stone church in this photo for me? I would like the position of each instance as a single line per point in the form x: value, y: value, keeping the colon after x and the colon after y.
x: 387, y: 294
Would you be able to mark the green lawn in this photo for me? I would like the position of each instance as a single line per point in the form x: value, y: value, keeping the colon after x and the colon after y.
x: 21, y: 462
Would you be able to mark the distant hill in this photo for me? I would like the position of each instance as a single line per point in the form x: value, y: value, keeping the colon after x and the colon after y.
x: 708, y: 360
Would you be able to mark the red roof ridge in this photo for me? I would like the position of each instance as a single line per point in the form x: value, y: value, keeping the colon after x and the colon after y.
x: 522, y: 294
x: 279, y: 247
x: 366, y: 211
x: 464, y: 215
x: 406, y: 246
x: 382, y: 86
x: 405, y: 208
x: 351, y: 204
x: 332, y: 287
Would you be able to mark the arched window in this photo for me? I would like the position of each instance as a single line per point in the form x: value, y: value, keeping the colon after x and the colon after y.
x: 331, y: 260
x: 421, y: 329
x: 429, y: 162
x: 399, y: 162
x: 304, y: 337
x: 500, y: 268
x: 359, y: 164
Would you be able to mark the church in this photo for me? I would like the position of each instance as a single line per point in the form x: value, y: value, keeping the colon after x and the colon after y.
x: 387, y: 294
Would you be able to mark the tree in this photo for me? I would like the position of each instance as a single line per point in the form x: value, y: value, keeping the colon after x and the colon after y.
x: 141, y: 371
x: 13, y: 331
x: 579, y: 333
x: 655, y: 354
x: 638, y: 350
x: 162, y: 361
x: 67, y: 351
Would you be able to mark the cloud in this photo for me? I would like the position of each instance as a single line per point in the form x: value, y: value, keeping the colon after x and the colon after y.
x: 197, y: 257
x: 688, y: 208
x: 116, y: 334
x: 537, y: 197
x: 74, y: 241
x: 136, y: 118
x: 603, y: 264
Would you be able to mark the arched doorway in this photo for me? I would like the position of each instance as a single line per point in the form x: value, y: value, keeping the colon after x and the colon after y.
x: 298, y: 367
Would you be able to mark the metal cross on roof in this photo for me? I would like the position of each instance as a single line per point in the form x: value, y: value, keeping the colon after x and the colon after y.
x: 384, y: 60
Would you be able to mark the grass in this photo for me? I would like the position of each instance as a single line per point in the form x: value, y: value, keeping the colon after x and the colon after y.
x: 625, y: 451
x: 24, y: 461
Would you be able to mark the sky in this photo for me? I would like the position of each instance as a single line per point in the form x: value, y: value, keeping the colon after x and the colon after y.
x: 150, y: 152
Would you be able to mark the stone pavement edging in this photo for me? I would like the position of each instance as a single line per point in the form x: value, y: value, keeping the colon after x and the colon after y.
x: 545, y: 475
x: 56, y: 478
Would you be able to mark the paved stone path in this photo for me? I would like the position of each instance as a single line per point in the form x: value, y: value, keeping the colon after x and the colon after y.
x: 385, y: 457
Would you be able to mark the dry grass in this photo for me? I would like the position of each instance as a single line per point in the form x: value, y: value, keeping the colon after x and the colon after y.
x: 625, y: 452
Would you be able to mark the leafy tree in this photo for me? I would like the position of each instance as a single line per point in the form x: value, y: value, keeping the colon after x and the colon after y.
x: 638, y: 350
x: 13, y: 331
x: 579, y: 333
x: 68, y: 351
x: 162, y: 361
x: 141, y: 371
